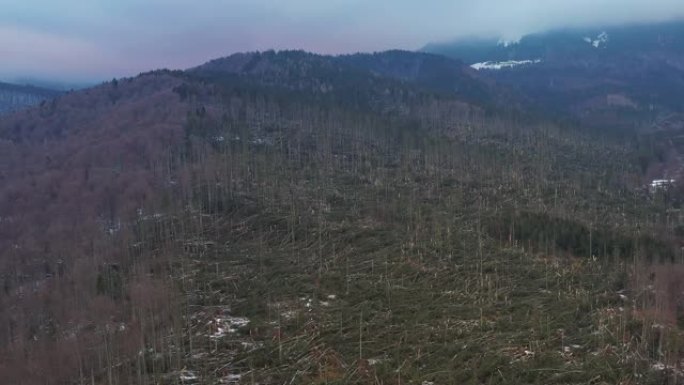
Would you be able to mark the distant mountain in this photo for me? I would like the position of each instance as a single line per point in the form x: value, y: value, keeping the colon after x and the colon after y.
x: 14, y: 97
x: 570, y: 45
x: 52, y: 84
x: 620, y: 77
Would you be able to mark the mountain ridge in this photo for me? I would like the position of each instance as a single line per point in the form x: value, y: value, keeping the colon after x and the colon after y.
x: 293, y: 218
x: 433, y: 73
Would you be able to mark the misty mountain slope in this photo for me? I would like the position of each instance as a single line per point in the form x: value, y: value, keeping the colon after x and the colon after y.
x: 14, y: 97
x: 243, y: 222
x: 591, y: 45
x: 627, y: 80
x: 619, y: 77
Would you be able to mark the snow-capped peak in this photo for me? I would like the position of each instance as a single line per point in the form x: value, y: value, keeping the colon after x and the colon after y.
x: 598, y: 41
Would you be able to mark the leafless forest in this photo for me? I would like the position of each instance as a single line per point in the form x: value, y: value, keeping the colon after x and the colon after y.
x: 186, y: 228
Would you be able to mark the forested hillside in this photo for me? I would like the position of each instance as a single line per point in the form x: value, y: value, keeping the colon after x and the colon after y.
x: 14, y: 97
x: 624, y: 77
x: 621, y: 79
x: 292, y: 218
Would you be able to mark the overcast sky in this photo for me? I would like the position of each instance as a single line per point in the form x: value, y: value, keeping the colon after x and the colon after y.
x: 85, y: 40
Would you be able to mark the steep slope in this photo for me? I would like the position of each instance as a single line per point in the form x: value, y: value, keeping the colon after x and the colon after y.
x: 74, y: 172
x: 627, y: 80
x: 615, y: 77
x: 272, y: 218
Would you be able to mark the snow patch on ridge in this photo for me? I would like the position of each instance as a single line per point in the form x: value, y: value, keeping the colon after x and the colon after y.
x: 507, y: 43
x: 492, y: 65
